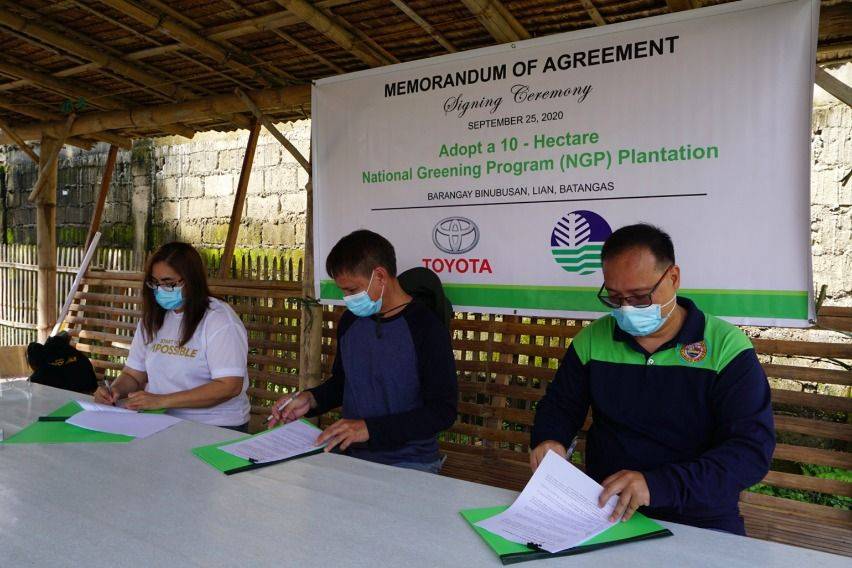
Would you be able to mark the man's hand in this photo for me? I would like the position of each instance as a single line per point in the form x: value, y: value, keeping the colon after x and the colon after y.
x: 537, y: 454
x: 632, y: 490
x: 141, y: 400
x: 344, y: 433
x: 294, y: 410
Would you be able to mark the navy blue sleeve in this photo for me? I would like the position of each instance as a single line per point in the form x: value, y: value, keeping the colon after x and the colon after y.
x: 329, y: 394
x: 436, y: 367
x: 743, y: 442
x: 562, y: 410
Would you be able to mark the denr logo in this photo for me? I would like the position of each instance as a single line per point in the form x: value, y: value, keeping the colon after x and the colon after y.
x: 457, y: 236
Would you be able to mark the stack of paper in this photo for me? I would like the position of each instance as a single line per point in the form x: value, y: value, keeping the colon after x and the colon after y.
x: 284, y: 442
x: 557, y: 509
x: 120, y: 421
x: 98, y: 407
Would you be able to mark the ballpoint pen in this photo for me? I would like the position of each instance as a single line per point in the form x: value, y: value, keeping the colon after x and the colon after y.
x: 281, y: 407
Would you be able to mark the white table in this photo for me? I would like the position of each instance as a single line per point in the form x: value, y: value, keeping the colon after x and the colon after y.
x: 152, y: 503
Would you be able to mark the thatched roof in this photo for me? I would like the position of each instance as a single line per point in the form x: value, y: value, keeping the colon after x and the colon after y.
x: 115, y: 55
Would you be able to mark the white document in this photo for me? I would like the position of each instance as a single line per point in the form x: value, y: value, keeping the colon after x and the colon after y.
x: 288, y: 441
x: 97, y: 407
x: 134, y: 424
x: 558, y: 509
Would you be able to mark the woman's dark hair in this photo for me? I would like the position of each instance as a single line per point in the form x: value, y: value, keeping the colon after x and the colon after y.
x: 185, y: 260
x: 641, y: 235
x: 360, y: 253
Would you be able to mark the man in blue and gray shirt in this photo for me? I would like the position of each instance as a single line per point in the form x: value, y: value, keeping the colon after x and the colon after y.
x: 394, y: 372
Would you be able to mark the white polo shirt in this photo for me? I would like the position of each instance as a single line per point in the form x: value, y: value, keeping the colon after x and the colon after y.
x: 219, y: 348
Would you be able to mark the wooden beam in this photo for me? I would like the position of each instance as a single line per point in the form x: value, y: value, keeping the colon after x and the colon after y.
x: 156, y: 116
x: 593, y: 12
x: 264, y: 120
x: 286, y: 37
x: 239, y: 201
x: 48, y: 164
x: 19, y: 141
x: 230, y: 47
x: 186, y: 36
x: 833, y: 85
x: 499, y: 22
x: 427, y: 27
x: 333, y: 31
x: 46, y: 239
x: 302, y: 47
x: 15, y: 67
x: 679, y: 5
x: 34, y: 112
x: 99, y: 55
x: 106, y: 179
x: 10, y: 65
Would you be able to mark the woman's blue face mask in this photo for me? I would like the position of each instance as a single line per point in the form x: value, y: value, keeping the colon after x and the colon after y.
x: 361, y: 304
x: 169, y: 299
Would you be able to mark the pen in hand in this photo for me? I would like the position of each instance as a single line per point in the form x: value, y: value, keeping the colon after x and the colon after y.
x: 281, y: 407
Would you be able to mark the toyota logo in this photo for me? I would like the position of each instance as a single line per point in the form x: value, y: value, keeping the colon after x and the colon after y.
x: 455, y: 235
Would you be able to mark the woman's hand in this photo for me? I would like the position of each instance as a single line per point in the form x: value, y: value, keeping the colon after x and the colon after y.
x: 142, y: 400
x: 104, y: 396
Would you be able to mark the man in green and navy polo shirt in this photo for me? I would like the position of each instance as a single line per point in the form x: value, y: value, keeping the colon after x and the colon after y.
x: 682, y: 421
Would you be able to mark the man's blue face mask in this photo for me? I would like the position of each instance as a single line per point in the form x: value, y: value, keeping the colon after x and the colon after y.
x: 640, y: 322
x: 361, y: 304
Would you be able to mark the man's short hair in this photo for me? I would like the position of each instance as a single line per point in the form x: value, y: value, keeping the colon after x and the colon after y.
x: 641, y: 235
x: 360, y: 253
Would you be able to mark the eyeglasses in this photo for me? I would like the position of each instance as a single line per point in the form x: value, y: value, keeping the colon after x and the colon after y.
x: 164, y: 285
x: 640, y: 301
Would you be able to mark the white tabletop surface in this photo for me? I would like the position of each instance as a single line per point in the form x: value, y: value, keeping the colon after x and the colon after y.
x: 152, y: 503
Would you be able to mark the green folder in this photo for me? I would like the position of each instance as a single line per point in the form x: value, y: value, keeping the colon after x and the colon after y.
x: 230, y: 464
x: 52, y: 429
x: 639, y: 527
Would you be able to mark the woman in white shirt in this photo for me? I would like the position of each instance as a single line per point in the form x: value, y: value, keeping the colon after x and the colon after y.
x: 189, y: 352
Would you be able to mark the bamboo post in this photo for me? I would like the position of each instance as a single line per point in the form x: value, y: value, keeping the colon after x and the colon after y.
x: 49, y: 165
x: 19, y: 141
x: 95, y: 225
x: 239, y: 200
x: 310, y: 323
x: 46, y: 238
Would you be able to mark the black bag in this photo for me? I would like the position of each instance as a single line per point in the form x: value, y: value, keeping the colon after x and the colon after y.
x: 57, y: 364
x: 425, y: 287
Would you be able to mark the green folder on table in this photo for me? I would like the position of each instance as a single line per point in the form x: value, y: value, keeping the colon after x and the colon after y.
x: 230, y: 464
x: 52, y: 429
x: 639, y: 527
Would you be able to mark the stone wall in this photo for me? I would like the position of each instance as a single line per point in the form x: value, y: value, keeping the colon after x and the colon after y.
x: 195, y: 183
x: 831, y: 200
x: 171, y: 188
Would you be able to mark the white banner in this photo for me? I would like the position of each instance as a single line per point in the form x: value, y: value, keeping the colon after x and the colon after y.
x: 504, y: 169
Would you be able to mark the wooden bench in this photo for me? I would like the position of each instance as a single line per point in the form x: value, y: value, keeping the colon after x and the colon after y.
x: 505, y: 365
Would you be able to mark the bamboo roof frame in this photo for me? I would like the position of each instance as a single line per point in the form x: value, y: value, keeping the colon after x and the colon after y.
x: 129, y: 67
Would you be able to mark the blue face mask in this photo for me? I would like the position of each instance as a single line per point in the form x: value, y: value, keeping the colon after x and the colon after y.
x: 169, y: 300
x: 640, y: 322
x: 361, y: 305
